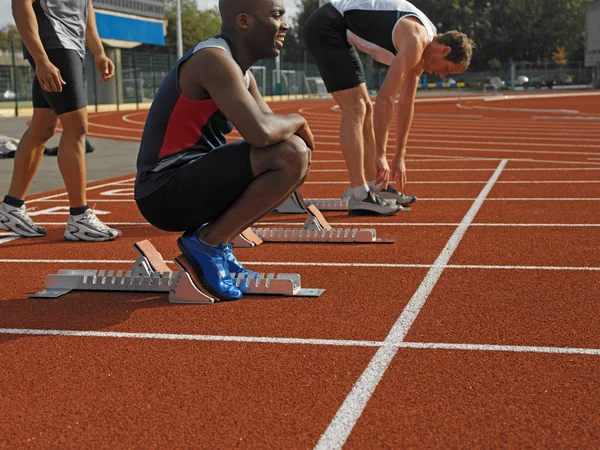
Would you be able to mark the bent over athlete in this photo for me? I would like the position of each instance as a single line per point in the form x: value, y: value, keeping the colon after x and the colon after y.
x: 189, y: 178
x: 395, y: 33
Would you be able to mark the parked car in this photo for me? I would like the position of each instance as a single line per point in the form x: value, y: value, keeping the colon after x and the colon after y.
x: 480, y: 83
x: 561, y: 81
x: 521, y: 80
x: 539, y: 82
x: 8, y: 95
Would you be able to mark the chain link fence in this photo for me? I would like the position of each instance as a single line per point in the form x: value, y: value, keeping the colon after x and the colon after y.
x: 139, y: 74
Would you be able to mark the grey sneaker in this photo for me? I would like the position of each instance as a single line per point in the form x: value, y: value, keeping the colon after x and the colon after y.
x: 389, y: 193
x: 18, y: 221
x: 348, y: 194
x: 372, y: 204
x: 87, y: 227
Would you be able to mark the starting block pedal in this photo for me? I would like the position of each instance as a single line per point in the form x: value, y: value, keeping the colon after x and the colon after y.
x: 150, y: 273
x: 295, y: 204
x: 315, y: 229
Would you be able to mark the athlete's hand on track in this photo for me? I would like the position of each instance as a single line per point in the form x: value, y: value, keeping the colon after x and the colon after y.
x: 105, y: 66
x: 307, y: 136
x: 399, y: 171
x: 383, y: 171
x: 49, y: 76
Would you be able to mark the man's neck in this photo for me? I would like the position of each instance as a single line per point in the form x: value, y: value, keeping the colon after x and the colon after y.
x: 238, y: 50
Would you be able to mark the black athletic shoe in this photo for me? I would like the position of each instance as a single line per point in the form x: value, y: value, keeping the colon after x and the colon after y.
x: 389, y: 193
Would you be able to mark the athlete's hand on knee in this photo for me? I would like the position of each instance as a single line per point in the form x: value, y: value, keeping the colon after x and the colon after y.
x: 105, y: 66
x: 383, y: 171
x: 399, y: 171
x: 307, y: 136
x: 49, y: 76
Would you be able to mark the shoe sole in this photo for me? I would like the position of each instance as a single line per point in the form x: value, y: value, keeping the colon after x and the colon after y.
x: 73, y: 238
x: 198, y: 272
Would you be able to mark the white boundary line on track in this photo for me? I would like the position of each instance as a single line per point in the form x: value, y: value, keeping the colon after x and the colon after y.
x: 421, y: 199
x: 465, y: 182
x: 342, y: 424
x: 301, y: 341
x: 320, y: 264
x: 375, y: 224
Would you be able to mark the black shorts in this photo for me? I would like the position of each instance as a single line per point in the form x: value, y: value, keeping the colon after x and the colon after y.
x: 199, y: 191
x: 73, y: 95
x: 325, y: 38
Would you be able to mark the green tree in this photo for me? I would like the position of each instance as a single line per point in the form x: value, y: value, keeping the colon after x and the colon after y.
x: 197, y: 25
x: 9, y: 34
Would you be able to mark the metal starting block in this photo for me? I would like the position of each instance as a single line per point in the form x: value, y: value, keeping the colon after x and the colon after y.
x: 315, y: 229
x: 295, y: 204
x: 150, y: 273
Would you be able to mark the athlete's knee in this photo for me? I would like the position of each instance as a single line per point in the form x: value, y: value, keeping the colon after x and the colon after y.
x: 42, y: 131
x: 356, y: 111
x: 75, y: 125
x: 295, y: 156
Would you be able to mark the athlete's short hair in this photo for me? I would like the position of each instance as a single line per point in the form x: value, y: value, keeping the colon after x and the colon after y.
x: 461, y: 45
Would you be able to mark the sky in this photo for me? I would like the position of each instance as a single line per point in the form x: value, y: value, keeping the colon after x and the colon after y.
x: 6, y: 14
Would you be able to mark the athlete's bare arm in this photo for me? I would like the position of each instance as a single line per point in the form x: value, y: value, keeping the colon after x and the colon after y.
x: 104, y: 65
x: 256, y: 94
x: 404, y: 116
x: 212, y: 73
x: 411, y: 39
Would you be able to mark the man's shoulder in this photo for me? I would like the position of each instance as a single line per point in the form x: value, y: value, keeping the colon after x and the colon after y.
x: 411, y: 30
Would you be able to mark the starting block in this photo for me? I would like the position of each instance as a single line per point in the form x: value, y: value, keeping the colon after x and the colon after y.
x: 315, y: 229
x: 295, y: 204
x: 150, y: 273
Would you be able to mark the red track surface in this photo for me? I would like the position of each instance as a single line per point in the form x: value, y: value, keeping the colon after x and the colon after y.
x: 498, y: 345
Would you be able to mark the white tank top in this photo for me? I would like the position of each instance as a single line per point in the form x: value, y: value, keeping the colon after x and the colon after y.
x: 371, y: 24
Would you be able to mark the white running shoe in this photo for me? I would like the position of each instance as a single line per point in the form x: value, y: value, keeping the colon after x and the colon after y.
x: 372, y: 204
x: 18, y: 220
x: 87, y: 227
x: 348, y: 194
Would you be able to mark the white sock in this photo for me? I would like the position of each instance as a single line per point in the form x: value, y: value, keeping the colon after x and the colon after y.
x: 374, y: 186
x: 360, y: 192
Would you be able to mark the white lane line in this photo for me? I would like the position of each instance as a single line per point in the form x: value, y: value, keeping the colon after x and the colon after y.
x: 417, y: 224
x: 376, y: 224
x: 473, y: 182
x: 320, y: 264
x: 423, y: 199
x: 188, y: 337
x: 490, y: 169
x: 342, y: 424
x: 301, y: 341
x: 112, y: 183
x: 500, y: 348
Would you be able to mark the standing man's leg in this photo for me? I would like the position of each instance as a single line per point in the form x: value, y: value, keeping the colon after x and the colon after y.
x: 369, y: 140
x: 325, y: 38
x: 71, y: 155
x: 354, y: 110
x: 27, y: 160
x: 83, y: 225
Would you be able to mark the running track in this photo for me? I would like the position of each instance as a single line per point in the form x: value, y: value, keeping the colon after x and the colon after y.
x: 479, y: 328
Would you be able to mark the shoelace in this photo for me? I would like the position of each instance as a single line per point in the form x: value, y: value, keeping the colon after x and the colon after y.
x: 23, y: 213
x: 93, y: 220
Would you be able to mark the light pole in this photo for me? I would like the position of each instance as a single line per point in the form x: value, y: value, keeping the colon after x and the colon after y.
x: 178, y: 32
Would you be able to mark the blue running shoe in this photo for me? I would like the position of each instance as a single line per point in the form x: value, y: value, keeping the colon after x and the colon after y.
x: 235, y: 266
x: 210, y: 266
